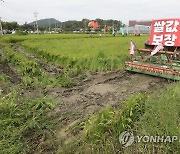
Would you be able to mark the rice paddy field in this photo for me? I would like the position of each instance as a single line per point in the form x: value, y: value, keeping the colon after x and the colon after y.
x: 69, y: 93
x: 81, y: 48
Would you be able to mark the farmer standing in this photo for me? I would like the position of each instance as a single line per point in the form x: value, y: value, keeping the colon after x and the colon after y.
x: 132, y: 48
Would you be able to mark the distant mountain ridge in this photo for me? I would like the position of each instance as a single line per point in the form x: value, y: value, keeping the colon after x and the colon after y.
x: 46, y: 22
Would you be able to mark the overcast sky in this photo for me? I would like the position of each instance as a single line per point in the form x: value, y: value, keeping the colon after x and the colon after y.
x: 63, y: 10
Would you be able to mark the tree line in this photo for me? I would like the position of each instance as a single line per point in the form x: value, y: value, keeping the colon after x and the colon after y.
x: 64, y: 26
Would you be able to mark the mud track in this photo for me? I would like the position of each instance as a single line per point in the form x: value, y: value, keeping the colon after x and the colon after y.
x: 100, y: 91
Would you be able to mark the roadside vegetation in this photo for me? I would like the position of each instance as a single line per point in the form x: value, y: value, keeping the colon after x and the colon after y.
x: 45, y: 62
x: 23, y: 120
x: 156, y: 115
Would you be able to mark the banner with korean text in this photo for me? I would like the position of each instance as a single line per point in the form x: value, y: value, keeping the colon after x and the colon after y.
x: 166, y: 31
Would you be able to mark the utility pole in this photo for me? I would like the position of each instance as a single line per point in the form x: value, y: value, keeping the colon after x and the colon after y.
x: 1, y: 29
x: 49, y: 26
x: 55, y: 27
x: 61, y: 27
x: 85, y: 26
x: 35, y: 15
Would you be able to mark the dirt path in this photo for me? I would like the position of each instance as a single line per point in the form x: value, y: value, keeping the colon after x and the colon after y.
x: 100, y: 91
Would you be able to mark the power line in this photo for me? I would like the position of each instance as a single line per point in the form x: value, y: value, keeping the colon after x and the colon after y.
x: 7, y: 19
x: 10, y: 6
x: 4, y: 19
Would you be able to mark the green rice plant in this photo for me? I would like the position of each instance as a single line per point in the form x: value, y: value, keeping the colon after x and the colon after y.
x: 23, y: 122
x: 4, y: 80
x: 117, y: 121
x: 161, y: 118
x: 65, y: 80
x: 32, y: 75
x: 84, y: 53
x: 32, y: 37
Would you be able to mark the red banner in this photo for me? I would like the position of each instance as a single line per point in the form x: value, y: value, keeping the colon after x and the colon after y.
x: 93, y: 24
x: 166, y: 31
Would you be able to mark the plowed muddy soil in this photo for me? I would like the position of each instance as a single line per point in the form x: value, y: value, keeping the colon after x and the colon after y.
x: 98, y: 92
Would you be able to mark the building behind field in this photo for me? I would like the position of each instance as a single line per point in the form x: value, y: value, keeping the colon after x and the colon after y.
x: 135, y: 22
x: 142, y: 27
